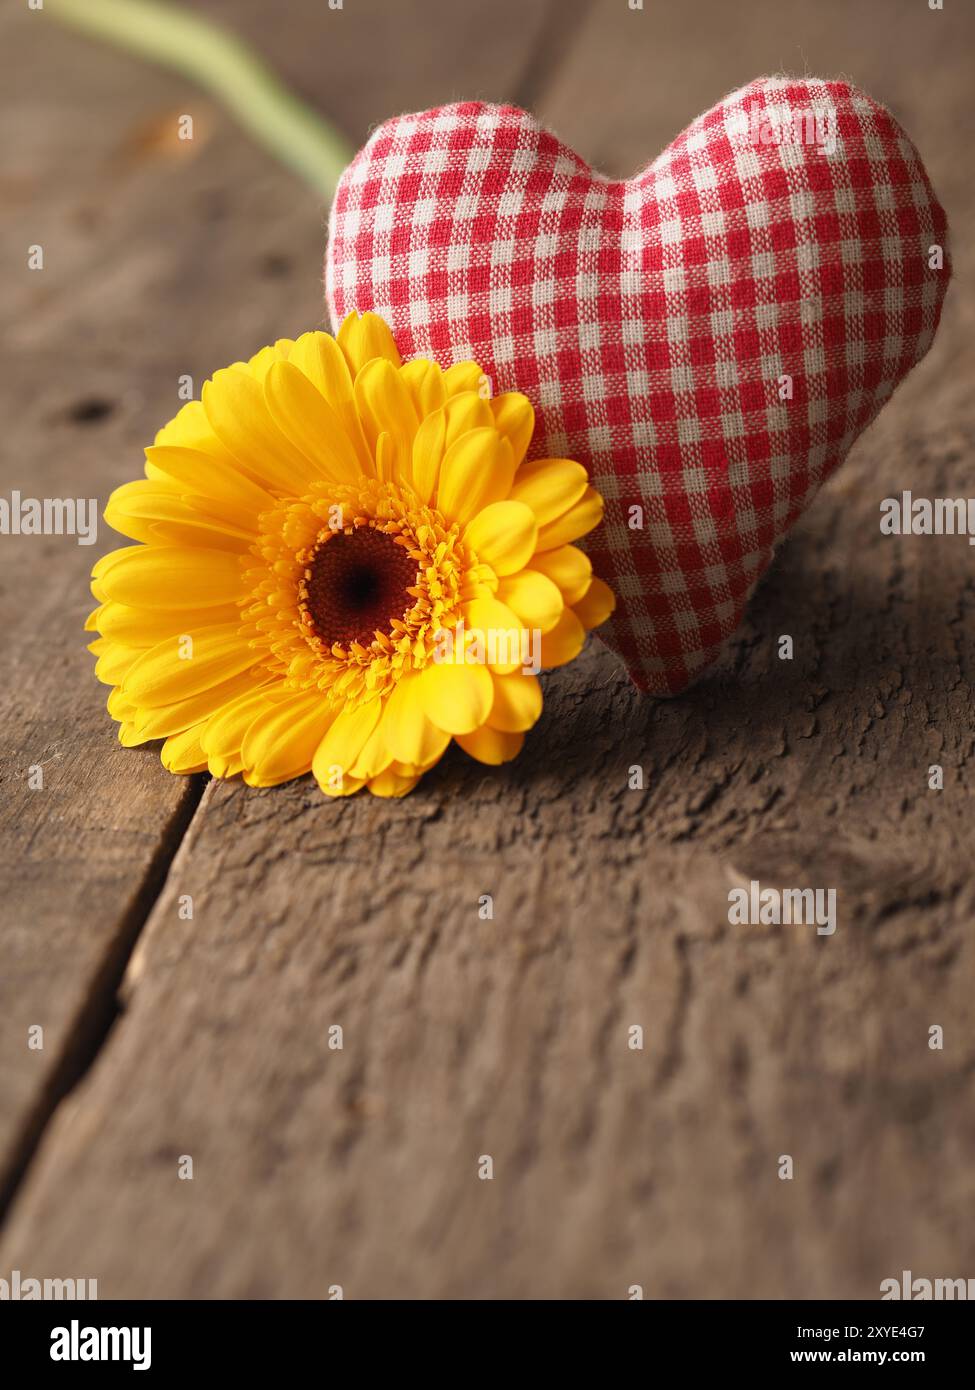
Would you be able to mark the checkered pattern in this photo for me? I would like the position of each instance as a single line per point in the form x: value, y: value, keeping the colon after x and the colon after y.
x: 658, y: 325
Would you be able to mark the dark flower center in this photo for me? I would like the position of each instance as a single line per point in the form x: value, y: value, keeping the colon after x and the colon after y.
x: 356, y: 583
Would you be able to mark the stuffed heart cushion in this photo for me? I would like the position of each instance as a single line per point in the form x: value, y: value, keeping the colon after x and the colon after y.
x: 709, y: 337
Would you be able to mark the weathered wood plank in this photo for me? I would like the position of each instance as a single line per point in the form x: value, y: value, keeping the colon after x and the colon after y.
x: 463, y: 1037
x: 84, y: 850
x: 161, y: 258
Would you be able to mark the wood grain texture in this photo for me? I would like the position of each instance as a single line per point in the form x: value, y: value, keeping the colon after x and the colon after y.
x: 161, y: 258
x: 83, y: 854
x: 509, y: 1037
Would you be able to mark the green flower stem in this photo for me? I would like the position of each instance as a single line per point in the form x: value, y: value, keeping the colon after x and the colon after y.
x: 223, y: 65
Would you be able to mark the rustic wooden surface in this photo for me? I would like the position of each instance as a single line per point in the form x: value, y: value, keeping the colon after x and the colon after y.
x: 315, y: 1167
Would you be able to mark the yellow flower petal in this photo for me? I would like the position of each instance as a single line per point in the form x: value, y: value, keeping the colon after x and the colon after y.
x: 386, y: 407
x: 338, y: 750
x: 261, y: 363
x: 515, y: 418
x: 224, y: 732
x: 550, y: 487
x: 477, y: 470
x: 119, y: 707
x: 321, y: 359
x: 492, y: 746
x: 363, y: 338
x: 343, y: 785
x: 393, y: 783
x: 568, y: 567
x: 108, y: 562
x: 596, y: 605
x: 305, y: 417
x: 190, y: 429
x: 428, y: 451
x: 409, y: 734
x: 114, y: 661
x: 281, y: 741
x: 173, y: 577
x: 162, y: 676
x: 233, y: 494
x: 150, y: 511
x: 425, y: 382
x: 587, y: 513
x: 182, y: 753
x: 564, y: 642
x: 163, y: 720
x: 457, y: 698
x: 387, y: 460
x: 144, y: 627
x: 517, y: 702
x: 467, y: 412
x: 375, y: 756
x: 533, y: 598
x: 464, y: 377
x: 500, y: 633
x: 236, y: 408
x: 504, y: 536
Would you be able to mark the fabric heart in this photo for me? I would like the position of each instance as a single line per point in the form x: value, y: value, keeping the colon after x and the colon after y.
x: 709, y: 338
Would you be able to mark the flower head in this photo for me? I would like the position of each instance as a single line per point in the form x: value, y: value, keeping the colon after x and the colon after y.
x: 342, y: 562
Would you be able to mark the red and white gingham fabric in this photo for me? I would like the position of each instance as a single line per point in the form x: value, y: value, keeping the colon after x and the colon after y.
x: 653, y: 322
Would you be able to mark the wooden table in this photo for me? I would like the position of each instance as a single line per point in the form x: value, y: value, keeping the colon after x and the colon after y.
x: 165, y: 1037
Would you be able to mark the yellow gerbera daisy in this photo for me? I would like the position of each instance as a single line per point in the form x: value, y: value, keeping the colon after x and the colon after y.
x: 344, y: 561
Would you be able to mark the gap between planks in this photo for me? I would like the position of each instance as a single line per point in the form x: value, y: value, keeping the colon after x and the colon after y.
x: 101, y: 1008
